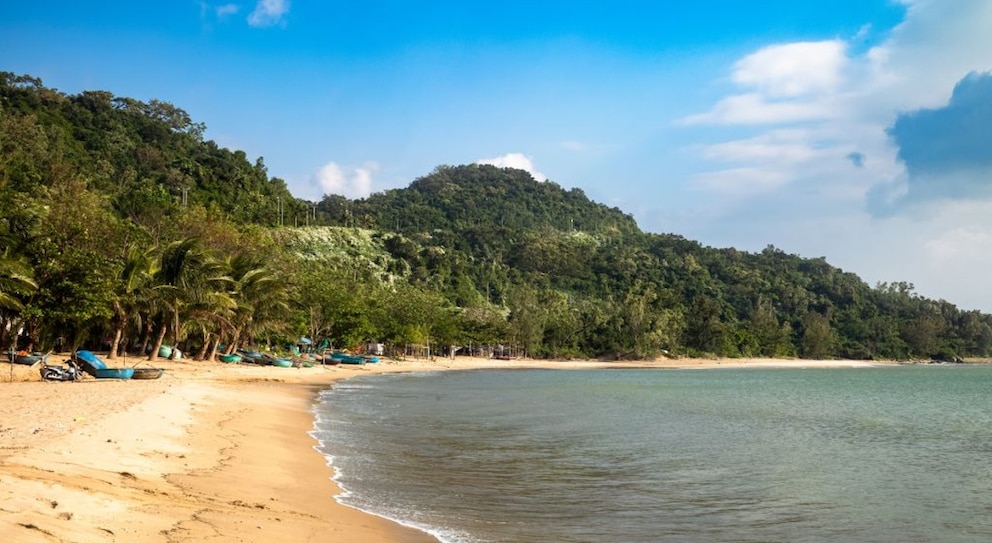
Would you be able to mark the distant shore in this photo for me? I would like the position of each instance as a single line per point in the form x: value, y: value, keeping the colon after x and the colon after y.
x: 210, y: 451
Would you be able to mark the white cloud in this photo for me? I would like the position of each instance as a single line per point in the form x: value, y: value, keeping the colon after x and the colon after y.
x: 226, y: 10
x: 844, y: 100
x: 793, y: 69
x: 798, y: 113
x: 515, y: 160
x: 937, y: 44
x: 788, y: 146
x: 755, y: 108
x: 333, y: 179
x: 741, y: 180
x: 961, y: 243
x: 268, y: 13
x: 785, y: 83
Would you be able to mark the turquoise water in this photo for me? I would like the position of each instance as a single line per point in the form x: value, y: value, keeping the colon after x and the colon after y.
x: 897, y: 454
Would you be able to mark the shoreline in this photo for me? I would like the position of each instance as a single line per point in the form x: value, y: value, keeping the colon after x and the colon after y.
x: 210, y: 452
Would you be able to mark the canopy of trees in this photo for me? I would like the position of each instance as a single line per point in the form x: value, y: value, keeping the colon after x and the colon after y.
x: 121, y: 228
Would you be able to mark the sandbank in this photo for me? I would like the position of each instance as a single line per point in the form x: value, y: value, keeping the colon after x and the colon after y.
x: 210, y: 452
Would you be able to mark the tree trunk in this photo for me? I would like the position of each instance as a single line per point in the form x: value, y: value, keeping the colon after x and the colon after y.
x: 234, y: 341
x: 206, y: 344
x: 152, y: 356
x: 175, y: 335
x: 146, y: 335
x: 116, y: 342
x: 213, y: 351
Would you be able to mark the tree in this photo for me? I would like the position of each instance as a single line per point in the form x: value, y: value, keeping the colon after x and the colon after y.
x: 260, y: 297
x: 528, y: 319
x: 186, y: 276
x: 133, y: 277
x: 817, y: 340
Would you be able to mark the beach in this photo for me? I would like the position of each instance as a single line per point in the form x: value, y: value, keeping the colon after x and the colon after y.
x: 209, y: 452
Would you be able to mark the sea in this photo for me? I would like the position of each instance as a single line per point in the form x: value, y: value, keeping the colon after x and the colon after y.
x: 882, y: 454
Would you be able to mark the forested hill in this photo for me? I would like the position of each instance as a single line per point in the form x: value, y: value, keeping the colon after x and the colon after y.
x: 485, y: 197
x: 117, y: 219
x: 597, y: 284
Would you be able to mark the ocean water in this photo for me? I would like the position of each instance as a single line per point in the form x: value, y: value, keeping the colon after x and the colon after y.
x: 889, y: 455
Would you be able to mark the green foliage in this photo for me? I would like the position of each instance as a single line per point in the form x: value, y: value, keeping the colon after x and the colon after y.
x: 119, y: 219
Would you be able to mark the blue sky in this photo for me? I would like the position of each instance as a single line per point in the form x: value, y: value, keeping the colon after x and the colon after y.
x: 855, y: 130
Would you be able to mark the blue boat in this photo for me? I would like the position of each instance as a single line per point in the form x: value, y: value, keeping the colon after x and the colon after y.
x: 344, y: 358
x: 254, y: 357
x: 282, y: 362
x: 93, y: 365
x: 230, y: 358
x: 28, y: 359
x: 114, y: 373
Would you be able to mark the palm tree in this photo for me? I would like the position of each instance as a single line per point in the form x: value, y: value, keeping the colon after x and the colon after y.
x: 15, y: 281
x: 260, y: 295
x: 211, y: 314
x: 133, y: 281
x: 15, y: 284
x: 187, y: 276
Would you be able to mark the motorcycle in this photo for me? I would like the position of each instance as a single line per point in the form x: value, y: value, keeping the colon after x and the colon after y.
x: 53, y: 372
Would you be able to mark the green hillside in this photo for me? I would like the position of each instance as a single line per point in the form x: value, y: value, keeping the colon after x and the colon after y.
x: 120, y: 226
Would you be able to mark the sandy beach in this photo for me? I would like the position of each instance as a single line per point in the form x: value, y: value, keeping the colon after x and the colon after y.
x: 210, y: 452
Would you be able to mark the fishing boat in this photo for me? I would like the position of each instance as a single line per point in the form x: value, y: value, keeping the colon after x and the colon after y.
x: 147, y: 373
x: 93, y: 365
x: 345, y: 358
x: 254, y: 357
x: 113, y: 373
x: 282, y: 362
x: 28, y: 359
x: 230, y: 358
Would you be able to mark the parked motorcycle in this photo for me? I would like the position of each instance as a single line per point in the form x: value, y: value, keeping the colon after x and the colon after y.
x: 54, y: 372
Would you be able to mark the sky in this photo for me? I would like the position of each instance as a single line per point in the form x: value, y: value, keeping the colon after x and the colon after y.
x: 855, y: 130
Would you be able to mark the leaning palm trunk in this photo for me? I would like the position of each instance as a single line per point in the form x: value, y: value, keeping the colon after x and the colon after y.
x: 234, y: 341
x: 116, y: 342
x: 158, y: 342
x: 175, y: 335
x: 213, y: 351
x: 207, y: 340
x: 146, y: 335
x: 118, y: 330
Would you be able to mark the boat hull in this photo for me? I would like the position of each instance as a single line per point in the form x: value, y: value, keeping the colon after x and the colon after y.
x: 113, y: 373
x: 147, y: 373
x: 28, y: 359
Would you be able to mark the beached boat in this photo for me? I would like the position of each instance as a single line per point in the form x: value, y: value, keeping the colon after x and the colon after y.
x: 254, y: 357
x: 230, y: 358
x: 147, y: 373
x: 113, y: 373
x: 344, y: 358
x: 282, y: 362
x: 89, y: 362
x: 93, y: 365
x: 28, y: 359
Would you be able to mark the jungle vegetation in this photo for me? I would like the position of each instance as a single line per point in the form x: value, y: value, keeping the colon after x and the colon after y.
x: 122, y: 228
